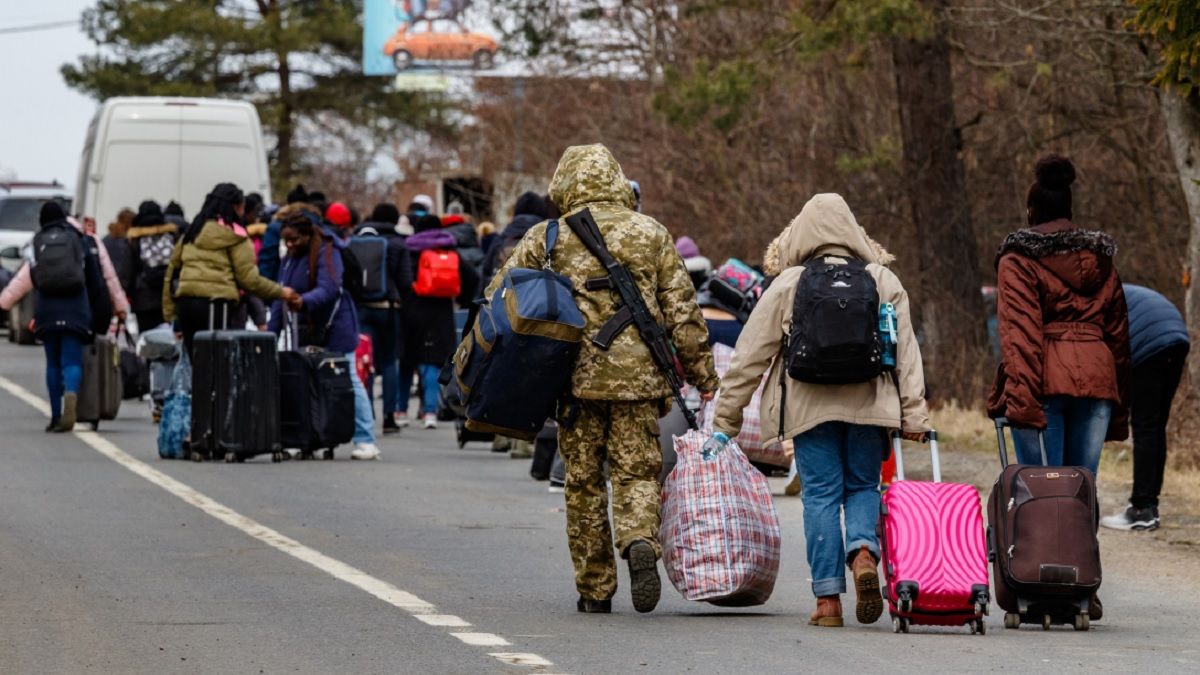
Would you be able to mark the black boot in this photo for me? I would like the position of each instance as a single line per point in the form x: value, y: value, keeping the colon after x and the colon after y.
x: 594, y: 606
x: 644, y: 584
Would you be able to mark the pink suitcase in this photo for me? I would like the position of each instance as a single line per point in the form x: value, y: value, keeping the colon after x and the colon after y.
x: 934, y: 555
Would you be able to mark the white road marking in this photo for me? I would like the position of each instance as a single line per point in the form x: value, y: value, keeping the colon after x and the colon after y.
x: 518, y: 659
x: 482, y: 639
x: 422, y: 610
x: 443, y: 620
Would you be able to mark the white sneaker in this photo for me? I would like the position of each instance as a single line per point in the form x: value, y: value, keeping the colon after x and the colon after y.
x: 365, y: 451
x: 430, y: 421
x: 557, y: 487
x: 401, y: 419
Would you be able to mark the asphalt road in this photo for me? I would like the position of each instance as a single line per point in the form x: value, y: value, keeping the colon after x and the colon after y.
x: 433, y: 560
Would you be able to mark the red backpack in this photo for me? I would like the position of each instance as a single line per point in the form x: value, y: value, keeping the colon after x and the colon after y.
x: 437, y: 274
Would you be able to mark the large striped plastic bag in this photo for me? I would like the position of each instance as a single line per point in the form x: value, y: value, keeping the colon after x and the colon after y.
x: 176, y: 423
x: 750, y: 438
x: 720, y: 533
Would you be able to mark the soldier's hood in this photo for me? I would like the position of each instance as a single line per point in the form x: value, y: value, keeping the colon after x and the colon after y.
x: 588, y: 174
x: 825, y: 226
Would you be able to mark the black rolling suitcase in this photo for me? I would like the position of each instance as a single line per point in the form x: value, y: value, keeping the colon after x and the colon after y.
x: 318, y: 401
x: 235, y: 396
x: 317, y: 393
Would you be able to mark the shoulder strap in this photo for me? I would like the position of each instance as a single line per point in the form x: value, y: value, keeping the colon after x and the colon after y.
x: 585, y: 227
x: 551, y: 240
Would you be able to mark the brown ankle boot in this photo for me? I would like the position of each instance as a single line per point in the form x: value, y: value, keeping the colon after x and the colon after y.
x: 866, y: 587
x: 829, y: 612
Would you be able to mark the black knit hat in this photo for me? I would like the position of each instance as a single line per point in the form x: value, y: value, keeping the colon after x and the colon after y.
x: 149, y: 213
x: 1049, y: 197
x: 173, y: 209
x: 427, y: 223
x: 298, y: 194
x: 51, y: 212
x: 385, y: 213
x: 532, y: 204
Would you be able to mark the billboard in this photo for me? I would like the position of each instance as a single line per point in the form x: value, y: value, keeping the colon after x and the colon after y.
x: 416, y: 39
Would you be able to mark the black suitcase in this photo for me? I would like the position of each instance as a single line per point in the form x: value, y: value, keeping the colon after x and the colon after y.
x: 235, y: 397
x: 318, y: 401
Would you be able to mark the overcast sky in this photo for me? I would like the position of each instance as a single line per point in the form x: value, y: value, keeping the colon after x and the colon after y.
x: 42, y: 121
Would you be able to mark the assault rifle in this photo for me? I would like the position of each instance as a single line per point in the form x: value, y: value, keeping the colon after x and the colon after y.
x: 633, y: 310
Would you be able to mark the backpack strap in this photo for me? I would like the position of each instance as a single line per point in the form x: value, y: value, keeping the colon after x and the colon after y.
x: 551, y: 240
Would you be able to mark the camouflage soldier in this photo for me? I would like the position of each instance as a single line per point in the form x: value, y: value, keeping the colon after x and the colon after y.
x: 620, y: 394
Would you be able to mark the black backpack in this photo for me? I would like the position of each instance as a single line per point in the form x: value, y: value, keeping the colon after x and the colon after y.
x: 835, y: 325
x: 352, y: 274
x: 58, y: 261
x: 371, y: 254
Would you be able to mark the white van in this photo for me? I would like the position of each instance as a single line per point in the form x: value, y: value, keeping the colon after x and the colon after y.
x: 166, y: 149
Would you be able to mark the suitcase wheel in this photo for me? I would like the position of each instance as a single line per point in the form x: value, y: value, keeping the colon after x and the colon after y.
x: 1012, y: 620
x: 96, y: 425
x: 277, y: 456
x: 1082, y: 622
x: 196, y: 456
x: 231, y: 457
x: 978, y: 627
x: 900, y: 624
x: 1046, y: 622
x: 328, y: 454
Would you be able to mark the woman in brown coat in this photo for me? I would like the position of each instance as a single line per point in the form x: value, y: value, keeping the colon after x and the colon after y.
x: 1064, y: 330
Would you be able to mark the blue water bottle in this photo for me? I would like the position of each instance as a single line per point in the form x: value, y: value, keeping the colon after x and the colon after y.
x: 887, y: 334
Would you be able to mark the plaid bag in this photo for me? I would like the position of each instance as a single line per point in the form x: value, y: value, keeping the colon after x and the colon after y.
x: 751, y: 437
x: 720, y: 533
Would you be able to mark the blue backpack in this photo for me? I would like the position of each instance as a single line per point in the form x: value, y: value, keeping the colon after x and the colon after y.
x: 516, y: 362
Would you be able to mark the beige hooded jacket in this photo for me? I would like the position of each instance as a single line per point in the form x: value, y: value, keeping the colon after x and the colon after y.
x: 825, y: 227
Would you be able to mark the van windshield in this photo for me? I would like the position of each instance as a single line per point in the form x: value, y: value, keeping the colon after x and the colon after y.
x: 21, y: 213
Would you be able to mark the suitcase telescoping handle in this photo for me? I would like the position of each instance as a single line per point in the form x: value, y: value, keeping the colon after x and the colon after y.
x: 1002, y: 422
x: 930, y: 436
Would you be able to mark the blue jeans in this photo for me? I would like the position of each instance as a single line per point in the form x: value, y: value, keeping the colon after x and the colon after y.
x: 839, y: 466
x: 364, y: 421
x: 1075, y: 431
x: 430, y: 389
x: 381, y: 325
x: 64, y: 367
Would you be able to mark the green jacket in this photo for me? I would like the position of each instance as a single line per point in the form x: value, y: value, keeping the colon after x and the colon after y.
x: 589, y: 176
x: 215, y: 266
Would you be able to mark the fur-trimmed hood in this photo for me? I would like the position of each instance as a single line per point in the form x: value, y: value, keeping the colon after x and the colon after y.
x: 139, y: 231
x: 1083, y: 259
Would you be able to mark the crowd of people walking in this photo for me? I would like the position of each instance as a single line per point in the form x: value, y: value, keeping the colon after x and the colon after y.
x: 1080, y: 353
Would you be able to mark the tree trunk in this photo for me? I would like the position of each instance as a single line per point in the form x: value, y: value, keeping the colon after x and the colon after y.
x: 285, y: 112
x: 949, y: 315
x: 1183, y: 132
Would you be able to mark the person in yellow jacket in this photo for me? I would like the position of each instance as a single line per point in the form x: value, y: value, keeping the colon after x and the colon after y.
x: 840, y: 431
x: 213, y: 260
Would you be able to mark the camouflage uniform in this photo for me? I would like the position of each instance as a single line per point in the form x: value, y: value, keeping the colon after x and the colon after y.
x: 621, y: 393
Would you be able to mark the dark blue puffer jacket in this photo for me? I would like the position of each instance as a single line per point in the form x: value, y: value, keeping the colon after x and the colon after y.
x: 1154, y: 323
x: 76, y: 313
x: 321, y: 297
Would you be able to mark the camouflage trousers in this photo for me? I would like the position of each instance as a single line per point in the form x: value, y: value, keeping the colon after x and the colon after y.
x: 625, y: 433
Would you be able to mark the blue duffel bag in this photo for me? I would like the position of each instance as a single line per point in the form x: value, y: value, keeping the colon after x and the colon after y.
x: 516, y: 362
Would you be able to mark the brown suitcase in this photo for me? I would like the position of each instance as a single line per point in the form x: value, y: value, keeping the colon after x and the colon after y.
x: 100, y: 391
x: 1042, y: 535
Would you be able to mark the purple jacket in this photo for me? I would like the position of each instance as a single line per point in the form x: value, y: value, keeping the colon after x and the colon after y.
x: 430, y: 239
x: 320, y: 298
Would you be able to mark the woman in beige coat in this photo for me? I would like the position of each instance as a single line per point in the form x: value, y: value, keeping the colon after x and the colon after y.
x: 840, y: 431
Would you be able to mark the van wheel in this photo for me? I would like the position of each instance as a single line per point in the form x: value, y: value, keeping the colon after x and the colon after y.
x: 402, y: 59
x: 484, y: 60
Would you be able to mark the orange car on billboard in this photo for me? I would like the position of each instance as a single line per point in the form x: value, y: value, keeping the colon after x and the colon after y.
x: 440, y: 40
